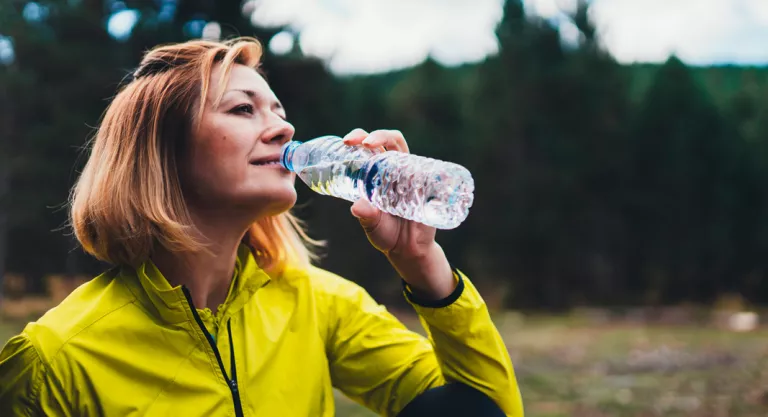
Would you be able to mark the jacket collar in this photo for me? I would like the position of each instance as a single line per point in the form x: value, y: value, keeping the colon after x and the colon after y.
x: 152, y: 289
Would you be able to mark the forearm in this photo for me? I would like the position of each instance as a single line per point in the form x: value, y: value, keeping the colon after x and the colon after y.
x: 428, y: 273
x: 468, y: 346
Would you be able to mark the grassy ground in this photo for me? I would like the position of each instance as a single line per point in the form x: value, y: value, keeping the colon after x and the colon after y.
x: 629, y: 370
x: 568, y: 367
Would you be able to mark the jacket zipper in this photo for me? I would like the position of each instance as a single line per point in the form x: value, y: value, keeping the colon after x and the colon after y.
x: 231, y: 381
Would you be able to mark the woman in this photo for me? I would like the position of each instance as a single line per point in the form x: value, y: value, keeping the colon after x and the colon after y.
x: 213, y: 307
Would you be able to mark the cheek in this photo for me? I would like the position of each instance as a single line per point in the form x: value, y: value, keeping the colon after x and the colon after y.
x: 221, y: 148
x: 221, y: 151
x: 216, y: 163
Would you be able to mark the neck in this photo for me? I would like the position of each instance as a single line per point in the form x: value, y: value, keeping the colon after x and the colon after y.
x: 206, y: 274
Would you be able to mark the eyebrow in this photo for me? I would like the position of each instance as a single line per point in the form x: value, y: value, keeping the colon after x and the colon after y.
x: 252, y: 94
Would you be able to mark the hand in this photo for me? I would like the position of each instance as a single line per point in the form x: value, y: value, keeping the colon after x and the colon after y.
x: 409, y: 246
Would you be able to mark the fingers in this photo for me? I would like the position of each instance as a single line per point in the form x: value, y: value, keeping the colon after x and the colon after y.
x: 355, y: 137
x: 391, y: 140
x: 368, y: 215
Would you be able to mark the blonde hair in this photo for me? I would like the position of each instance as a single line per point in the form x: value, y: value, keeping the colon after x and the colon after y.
x: 129, y: 198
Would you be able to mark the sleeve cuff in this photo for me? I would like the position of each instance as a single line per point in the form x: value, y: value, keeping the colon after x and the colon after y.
x: 444, y: 302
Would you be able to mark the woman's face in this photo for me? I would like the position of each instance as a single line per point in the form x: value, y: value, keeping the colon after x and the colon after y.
x: 232, y: 162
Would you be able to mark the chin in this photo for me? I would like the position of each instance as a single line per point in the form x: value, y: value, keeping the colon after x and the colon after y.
x: 275, y: 203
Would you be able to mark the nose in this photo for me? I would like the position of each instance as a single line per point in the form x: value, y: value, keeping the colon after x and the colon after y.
x: 279, y: 133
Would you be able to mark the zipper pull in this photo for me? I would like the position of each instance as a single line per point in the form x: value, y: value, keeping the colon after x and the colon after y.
x: 233, y: 385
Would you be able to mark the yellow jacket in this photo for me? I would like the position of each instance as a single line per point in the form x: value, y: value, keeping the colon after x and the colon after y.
x: 128, y: 344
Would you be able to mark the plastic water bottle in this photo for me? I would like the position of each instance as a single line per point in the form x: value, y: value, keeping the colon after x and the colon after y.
x: 425, y: 190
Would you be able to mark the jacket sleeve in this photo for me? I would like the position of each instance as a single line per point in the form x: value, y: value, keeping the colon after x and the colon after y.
x: 26, y: 387
x: 377, y: 362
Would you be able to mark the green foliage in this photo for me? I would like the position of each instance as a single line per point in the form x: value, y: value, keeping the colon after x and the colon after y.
x: 597, y: 183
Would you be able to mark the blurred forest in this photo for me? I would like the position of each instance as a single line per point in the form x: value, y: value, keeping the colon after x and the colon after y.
x: 597, y: 183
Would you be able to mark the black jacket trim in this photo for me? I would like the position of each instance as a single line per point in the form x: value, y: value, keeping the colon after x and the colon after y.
x: 445, y: 302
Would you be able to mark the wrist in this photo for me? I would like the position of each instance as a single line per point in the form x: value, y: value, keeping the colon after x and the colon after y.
x: 428, y: 274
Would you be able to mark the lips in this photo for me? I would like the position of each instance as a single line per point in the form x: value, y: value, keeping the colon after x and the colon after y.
x: 265, y: 163
x: 267, y: 160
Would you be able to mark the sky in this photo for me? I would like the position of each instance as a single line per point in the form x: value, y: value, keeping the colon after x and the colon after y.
x: 370, y: 36
x: 364, y: 36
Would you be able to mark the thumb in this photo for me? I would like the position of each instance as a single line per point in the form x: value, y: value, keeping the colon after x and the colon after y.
x: 368, y: 215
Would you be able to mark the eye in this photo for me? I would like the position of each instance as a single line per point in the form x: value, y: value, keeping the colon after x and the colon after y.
x: 243, y: 109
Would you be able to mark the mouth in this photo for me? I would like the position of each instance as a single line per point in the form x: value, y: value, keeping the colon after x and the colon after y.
x: 267, y: 161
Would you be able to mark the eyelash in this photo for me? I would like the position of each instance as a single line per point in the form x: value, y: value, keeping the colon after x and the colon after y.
x: 248, y: 108
x: 243, y: 108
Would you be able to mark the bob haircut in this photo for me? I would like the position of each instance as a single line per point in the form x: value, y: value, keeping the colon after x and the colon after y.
x: 129, y: 199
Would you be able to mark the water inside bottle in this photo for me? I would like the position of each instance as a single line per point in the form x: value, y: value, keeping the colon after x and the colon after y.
x: 334, y: 178
x: 430, y: 197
